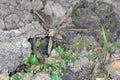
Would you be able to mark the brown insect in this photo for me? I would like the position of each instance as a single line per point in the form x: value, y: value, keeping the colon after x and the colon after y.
x: 53, y: 32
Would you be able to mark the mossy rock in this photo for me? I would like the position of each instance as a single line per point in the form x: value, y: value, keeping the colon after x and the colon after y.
x: 92, y: 14
x: 88, y: 42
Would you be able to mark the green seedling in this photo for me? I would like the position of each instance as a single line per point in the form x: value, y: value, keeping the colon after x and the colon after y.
x: 105, y: 39
x: 15, y: 77
x: 53, y: 69
x: 32, y: 60
x: 68, y: 57
x: 56, y: 24
x: 106, y: 46
x: 58, y: 65
x: 47, y: 68
x: 60, y: 50
x: 55, y: 75
x: 115, y: 45
x: 75, y: 12
x: 22, y: 75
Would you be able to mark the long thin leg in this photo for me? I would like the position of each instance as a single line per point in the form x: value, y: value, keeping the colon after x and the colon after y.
x: 50, y: 45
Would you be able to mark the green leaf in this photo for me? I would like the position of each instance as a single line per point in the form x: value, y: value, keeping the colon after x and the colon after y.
x: 47, y: 67
x: 60, y: 50
x: 56, y: 24
x: 115, y: 45
x: 58, y: 64
x: 15, y: 77
x: 105, y: 39
x: 32, y: 60
x: 55, y: 76
x: 64, y: 68
x: 68, y: 57
x: 27, y: 61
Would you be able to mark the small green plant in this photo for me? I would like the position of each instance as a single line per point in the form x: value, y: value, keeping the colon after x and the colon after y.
x: 58, y: 64
x: 53, y: 69
x: 60, y: 50
x: 106, y: 46
x: 105, y: 39
x: 55, y: 75
x: 56, y: 24
x: 75, y: 12
x: 21, y: 76
x: 32, y: 60
x: 115, y: 45
x: 66, y: 56
x: 15, y: 77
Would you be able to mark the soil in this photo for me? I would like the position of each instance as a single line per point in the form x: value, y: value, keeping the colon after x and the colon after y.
x: 91, y: 16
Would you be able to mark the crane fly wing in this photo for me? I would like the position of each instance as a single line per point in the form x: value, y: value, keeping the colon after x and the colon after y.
x: 43, y: 18
x: 73, y: 28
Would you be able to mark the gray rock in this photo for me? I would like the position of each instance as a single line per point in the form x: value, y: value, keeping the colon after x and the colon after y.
x: 29, y: 31
x: 116, y: 5
x: 13, y: 53
x: 54, y: 10
x: 15, y: 12
x: 94, y: 14
x: 5, y: 35
x: 12, y: 21
x: 25, y: 4
x: 66, y: 3
x: 54, y: 53
x: 4, y: 10
x: 42, y: 76
x: 33, y: 29
x: 108, y: 1
x: 36, y: 4
x: 80, y: 64
x: 15, y: 47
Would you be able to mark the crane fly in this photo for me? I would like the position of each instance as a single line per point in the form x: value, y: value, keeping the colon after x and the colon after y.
x: 53, y: 32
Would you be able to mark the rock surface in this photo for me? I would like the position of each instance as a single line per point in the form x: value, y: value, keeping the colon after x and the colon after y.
x: 93, y: 14
x: 15, y: 47
x: 114, y: 66
x: 16, y: 13
x: 41, y: 76
x: 17, y: 25
x: 13, y: 53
